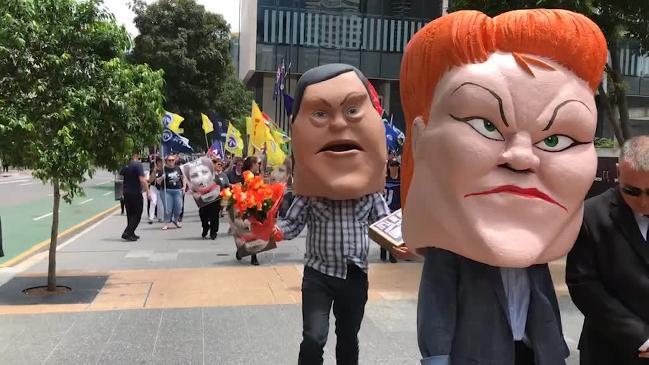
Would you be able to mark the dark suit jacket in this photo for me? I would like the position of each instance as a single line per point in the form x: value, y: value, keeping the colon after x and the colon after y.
x: 607, y: 274
x: 462, y: 313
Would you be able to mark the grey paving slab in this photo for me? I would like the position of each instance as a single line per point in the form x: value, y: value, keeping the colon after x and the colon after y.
x: 180, y: 337
x: 83, y: 343
x: 133, y: 339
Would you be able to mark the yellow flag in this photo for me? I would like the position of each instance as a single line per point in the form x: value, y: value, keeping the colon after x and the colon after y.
x: 172, y: 121
x: 260, y: 131
x: 233, y: 141
x: 207, y: 124
x: 274, y: 154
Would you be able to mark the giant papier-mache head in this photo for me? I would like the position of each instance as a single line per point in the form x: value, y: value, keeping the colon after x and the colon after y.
x: 337, y: 133
x: 501, y: 119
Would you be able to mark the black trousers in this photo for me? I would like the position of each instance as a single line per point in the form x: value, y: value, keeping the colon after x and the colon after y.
x: 134, y: 204
x: 524, y: 355
x: 210, y: 217
x: 348, y: 296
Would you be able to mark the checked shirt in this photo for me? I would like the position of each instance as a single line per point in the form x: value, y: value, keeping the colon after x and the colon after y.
x: 337, y: 230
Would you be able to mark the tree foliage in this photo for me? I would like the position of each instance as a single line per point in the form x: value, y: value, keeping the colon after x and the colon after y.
x: 620, y: 20
x: 192, y: 46
x: 69, y: 101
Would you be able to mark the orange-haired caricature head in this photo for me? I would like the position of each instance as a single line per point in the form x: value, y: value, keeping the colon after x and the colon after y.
x: 501, y: 119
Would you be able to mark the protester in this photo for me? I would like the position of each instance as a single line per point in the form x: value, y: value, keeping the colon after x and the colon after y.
x: 499, y: 156
x: 156, y: 208
x: 607, y: 269
x: 252, y: 164
x: 179, y: 162
x: 392, y: 196
x: 221, y: 178
x: 235, y: 174
x: 134, y: 184
x: 174, y: 184
x: 284, y: 174
x: 340, y: 153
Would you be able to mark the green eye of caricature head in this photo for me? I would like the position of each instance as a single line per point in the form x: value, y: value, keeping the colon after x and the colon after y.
x: 551, y: 141
x: 489, y: 126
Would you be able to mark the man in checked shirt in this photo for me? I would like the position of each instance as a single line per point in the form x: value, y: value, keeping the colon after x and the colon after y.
x: 340, y: 155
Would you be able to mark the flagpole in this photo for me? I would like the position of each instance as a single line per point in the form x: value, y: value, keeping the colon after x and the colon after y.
x: 206, y: 143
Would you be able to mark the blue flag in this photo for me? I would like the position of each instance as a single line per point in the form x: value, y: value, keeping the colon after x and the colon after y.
x: 216, y: 149
x: 172, y: 142
x: 394, y: 138
x: 288, y: 104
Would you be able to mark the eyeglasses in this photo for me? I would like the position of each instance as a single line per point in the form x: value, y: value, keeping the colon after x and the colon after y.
x: 170, y: 160
x: 634, y: 191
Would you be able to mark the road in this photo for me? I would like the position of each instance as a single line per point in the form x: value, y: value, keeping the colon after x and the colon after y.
x: 26, y: 208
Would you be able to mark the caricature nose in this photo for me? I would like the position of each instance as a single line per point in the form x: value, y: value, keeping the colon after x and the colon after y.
x: 519, y: 154
x: 338, y: 123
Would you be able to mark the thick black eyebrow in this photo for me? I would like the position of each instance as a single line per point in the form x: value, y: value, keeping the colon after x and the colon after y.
x: 500, y: 100
x: 556, y: 110
x: 352, y: 95
x: 324, y: 101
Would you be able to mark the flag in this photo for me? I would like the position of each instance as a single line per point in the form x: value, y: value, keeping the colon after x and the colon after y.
x: 288, y: 104
x: 216, y: 149
x: 282, y: 78
x: 207, y: 124
x: 278, y: 77
x: 233, y: 141
x: 374, y: 96
x: 250, y: 150
x: 394, y: 138
x: 173, y: 142
x: 275, y: 155
x: 260, y: 131
x: 172, y: 121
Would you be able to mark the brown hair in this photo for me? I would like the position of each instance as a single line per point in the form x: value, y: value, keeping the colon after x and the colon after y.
x: 467, y: 37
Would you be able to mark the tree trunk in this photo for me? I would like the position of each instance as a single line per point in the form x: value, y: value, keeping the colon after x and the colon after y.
x: 619, y: 86
x: 608, y: 112
x: 51, y: 269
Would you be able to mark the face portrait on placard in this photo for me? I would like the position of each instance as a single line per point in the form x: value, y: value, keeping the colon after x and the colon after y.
x: 200, y: 175
x: 338, y: 136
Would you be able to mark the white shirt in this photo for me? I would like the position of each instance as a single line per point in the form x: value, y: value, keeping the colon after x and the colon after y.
x: 643, y: 224
x: 516, y: 283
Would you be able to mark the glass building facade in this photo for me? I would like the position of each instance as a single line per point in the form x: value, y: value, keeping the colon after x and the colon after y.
x: 369, y: 34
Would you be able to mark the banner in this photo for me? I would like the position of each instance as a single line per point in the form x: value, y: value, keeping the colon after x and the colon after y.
x: 172, y: 121
x: 200, y: 175
x: 171, y: 142
x: 233, y: 141
x: 207, y: 124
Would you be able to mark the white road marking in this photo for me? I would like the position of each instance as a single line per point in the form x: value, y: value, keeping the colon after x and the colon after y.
x: 86, y: 201
x: 13, y: 181
x: 104, y: 183
x: 29, y: 183
x: 44, y: 216
x: 108, y: 193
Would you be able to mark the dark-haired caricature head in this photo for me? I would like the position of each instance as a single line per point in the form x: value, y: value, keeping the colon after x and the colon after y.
x: 338, y: 137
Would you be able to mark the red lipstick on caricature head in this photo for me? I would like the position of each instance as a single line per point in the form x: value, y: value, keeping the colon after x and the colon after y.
x: 516, y: 190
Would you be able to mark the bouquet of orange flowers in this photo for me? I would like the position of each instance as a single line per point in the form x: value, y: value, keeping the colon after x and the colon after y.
x: 254, y: 199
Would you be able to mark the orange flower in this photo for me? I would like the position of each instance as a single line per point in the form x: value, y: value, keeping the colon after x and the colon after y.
x: 226, y: 194
x: 248, y: 176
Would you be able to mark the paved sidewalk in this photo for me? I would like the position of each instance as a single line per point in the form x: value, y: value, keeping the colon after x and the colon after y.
x: 174, y: 298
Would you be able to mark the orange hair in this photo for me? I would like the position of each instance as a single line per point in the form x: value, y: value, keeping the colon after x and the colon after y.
x: 467, y: 37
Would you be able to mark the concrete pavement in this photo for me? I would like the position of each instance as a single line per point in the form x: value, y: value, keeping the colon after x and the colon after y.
x: 174, y: 298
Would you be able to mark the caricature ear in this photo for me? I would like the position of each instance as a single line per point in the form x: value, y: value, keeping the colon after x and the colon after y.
x: 417, y: 131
